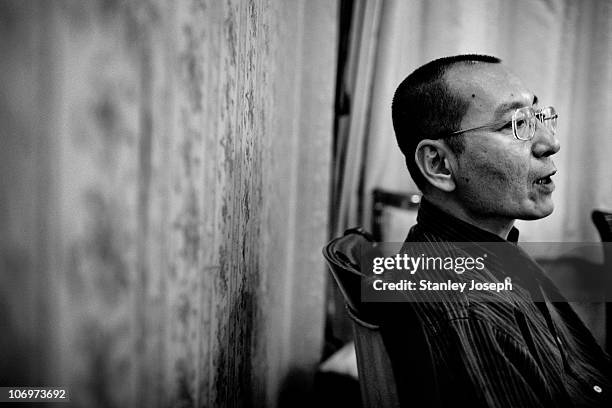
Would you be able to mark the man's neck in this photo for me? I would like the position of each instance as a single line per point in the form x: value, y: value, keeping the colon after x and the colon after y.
x: 498, y: 226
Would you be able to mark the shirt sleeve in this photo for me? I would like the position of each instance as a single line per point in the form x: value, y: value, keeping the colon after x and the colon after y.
x: 483, y: 364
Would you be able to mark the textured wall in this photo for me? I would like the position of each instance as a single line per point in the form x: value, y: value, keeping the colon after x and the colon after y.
x: 164, y: 197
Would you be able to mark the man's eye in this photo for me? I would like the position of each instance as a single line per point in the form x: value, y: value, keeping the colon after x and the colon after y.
x: 521, y: 123
x: 507, y: 125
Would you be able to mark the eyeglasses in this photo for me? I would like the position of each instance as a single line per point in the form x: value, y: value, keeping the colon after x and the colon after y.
x: 523, y: 122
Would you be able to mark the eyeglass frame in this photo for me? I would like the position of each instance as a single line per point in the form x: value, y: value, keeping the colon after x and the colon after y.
x: 505, y: 122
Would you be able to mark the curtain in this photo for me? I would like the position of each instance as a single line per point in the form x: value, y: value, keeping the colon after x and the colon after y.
x: 353, y: 101
x: 562, y: 49
x: 358, y: 39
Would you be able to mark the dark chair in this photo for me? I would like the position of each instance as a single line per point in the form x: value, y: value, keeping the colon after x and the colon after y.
x: 603, y: 223
x: 383, y: 201
x: 393, y: 356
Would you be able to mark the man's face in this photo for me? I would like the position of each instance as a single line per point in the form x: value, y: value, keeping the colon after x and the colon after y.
x: 497, y: 175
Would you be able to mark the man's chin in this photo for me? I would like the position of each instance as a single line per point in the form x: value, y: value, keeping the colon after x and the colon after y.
x: 541, y: 211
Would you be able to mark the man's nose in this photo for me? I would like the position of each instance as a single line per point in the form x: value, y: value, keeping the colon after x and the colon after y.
x: 545, y: 142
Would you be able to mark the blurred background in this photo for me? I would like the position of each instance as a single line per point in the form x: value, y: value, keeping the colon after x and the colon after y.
x: 172, y: 169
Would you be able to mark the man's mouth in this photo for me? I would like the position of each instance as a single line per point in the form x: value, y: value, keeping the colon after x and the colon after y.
x: 545, y: 180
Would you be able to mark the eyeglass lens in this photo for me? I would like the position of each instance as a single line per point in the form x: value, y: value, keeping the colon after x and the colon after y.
x: 524, y: 121
x: 549, y: 118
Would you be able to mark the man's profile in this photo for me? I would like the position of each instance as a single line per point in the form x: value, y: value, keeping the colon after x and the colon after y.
x: 480, y: 146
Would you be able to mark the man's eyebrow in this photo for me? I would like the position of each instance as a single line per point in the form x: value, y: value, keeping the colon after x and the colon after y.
x: 511, y: 106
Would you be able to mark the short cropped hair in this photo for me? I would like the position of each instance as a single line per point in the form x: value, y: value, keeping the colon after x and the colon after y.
x: 425, y: 107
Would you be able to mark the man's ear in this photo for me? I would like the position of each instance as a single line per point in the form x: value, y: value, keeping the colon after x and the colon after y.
x: 433, y: 158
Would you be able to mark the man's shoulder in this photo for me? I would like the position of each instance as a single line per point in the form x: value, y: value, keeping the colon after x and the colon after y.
x: 418, y: 233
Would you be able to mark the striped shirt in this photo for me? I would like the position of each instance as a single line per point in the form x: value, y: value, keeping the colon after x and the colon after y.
x: 524, y: 348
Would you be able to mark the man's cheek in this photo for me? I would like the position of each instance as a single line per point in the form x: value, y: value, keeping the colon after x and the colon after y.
x: 493, y: 176
x: 504, y: 169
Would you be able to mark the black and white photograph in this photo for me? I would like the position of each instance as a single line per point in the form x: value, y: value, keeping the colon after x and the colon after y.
x: 306, y: 203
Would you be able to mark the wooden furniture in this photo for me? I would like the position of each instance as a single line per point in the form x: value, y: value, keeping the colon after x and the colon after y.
x: 393, y: 356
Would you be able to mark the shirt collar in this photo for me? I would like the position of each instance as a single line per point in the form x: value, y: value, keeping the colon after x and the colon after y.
x: 452, y: 228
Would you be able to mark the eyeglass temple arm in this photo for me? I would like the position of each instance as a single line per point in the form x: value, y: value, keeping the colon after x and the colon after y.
x: 458, y: 132
x: 500, y: 122
x: 555, y: 116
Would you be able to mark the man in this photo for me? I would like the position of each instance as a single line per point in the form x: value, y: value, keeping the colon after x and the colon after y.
x: 480, y: 148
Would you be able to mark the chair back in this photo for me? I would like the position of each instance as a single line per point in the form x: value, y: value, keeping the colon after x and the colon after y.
x: 393, y: 355
x: 603, y: 223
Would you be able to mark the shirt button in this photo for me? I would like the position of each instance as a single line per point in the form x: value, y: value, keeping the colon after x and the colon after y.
x: 597, y: 388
